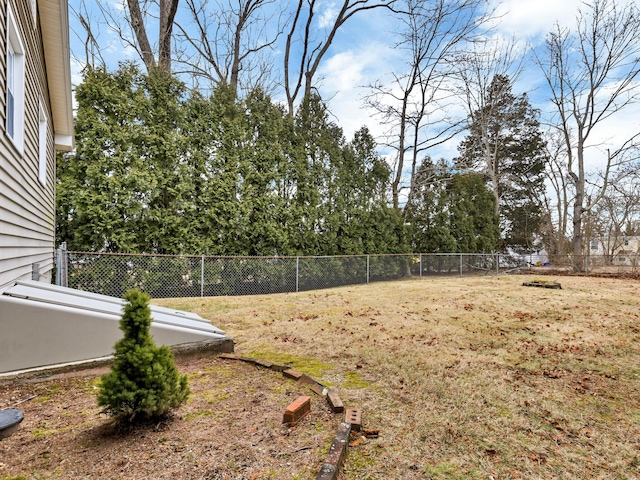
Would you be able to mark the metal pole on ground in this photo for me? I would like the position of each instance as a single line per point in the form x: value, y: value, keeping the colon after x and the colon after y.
x: 461, y: 264
x: 420, y: 266
x: 297, y: 273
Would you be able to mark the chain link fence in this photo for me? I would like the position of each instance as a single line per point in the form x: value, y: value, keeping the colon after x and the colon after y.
x: 165, y: 276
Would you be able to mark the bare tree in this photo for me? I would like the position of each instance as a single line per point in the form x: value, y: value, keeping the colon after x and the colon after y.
x: 228, y: 40
x: 313, y: 49
x: 92, y: 50
x: 593, y: 75
x: 415, y: 105
x: 557, y: 205
x: 141, y: 15
x: 167, y: 13
x: 613, y: 220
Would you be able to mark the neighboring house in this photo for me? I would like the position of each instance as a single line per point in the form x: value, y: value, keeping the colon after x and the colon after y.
x: 620, y: 250
x: 36, y: 119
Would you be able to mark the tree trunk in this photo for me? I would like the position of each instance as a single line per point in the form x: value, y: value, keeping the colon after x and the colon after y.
x: 168, y: 9
x: 578, y: 205
x: 395, y: 184
x: 137, y: 23
x: 578, y: 265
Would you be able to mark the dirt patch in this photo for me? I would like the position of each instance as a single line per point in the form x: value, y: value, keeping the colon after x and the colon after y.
x: 230, y: 428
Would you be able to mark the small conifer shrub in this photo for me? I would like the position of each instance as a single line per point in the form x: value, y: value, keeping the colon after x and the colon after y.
x: 144, y: 383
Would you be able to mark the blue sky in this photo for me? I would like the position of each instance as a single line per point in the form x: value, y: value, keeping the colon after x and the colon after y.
x: 363, y: 52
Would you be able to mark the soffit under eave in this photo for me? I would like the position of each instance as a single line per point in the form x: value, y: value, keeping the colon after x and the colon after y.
x: 54, y: 21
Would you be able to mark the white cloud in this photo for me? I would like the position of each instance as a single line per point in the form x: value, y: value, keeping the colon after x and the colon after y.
x: 328, y: 17
x: 534, y: 18
x: 122, y: 52
x: 118, y: 5
x: 76, y: 71
x: 611, y: 134
x: 344, y: 78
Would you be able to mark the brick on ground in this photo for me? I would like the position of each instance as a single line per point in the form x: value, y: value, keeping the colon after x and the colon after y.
x: 353, y: 416
x: 317, y: 389
x: 229, y: 356
x: 307, y: 380
x: 264, y: 363
x: 296, y: 410
x: 337, y: 453
x: 335, y: 403
x: 292, y: 374
x: 280, y: 368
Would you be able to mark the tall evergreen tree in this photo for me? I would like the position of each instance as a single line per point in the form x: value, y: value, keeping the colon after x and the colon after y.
x: 341, y: 189
x: 215, y: 134
x: 505, y: 144
x: 263, y: 210
x: 126, y: 188
x: 426, y: 211
x: 451, y: 212
x: 472, y: 223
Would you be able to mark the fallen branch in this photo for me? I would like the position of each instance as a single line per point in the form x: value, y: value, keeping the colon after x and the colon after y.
x: 74, y: 404
x: 282, y: 454
x: 25, y: 400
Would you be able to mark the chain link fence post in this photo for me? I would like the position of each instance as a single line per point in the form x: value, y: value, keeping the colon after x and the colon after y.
x: 586, y: 266
x: 202, y: 277
x: 420, y: 266
x: 297, y: 274
x: 62, y: 270
x: 367, y: 269
x: 460, y: 264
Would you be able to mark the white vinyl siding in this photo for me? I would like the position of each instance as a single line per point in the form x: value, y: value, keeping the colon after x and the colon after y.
x: 27, y: 205
x: 34, y: 12
x: 42, y: 145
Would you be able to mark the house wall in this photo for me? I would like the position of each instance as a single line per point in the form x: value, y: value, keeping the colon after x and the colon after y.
x: 632, y: 245
x: 27, y: 207
x: 618, y: 245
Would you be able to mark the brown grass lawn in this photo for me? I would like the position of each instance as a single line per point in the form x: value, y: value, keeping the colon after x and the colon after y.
x: 465, y: 378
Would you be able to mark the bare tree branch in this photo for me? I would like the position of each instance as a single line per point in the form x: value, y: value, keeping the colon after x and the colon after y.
x: 593, y: 75
x: 413, y: 103
x: 313, y: 51
x: 92, y: 51
x: 137, y: 24
x: 229, y: 39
